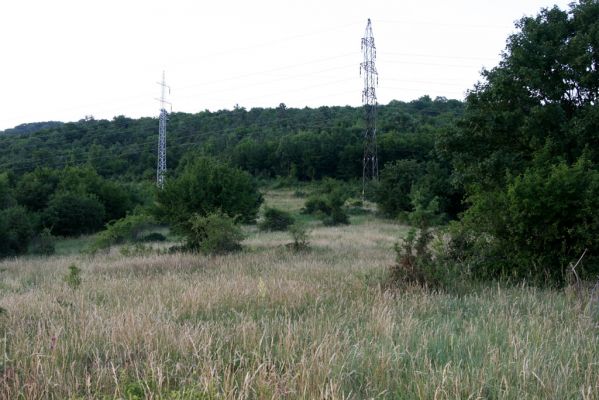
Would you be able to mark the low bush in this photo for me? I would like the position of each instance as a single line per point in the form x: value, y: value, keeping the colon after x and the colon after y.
x: 16, y: 230
x: 300, y: 234
x: 44, y: 244
x: 534, y: 228
x: 214, y: 233
x: 153, y: 237
x: 315, y: 204
x: 275, y: 220
x: 417, y: 263
x: 128, y: 229
x: 73, y: 277
x: 328, y: 207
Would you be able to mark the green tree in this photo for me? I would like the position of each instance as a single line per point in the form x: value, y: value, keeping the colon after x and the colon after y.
x: 16, y: 231
x: 396, y: 180
x: 526, y: 148
x: 35, y: 188
x: 72, y: 213
x: 203, y: 186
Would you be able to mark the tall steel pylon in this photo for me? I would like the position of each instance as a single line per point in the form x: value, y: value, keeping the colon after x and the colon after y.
x: 161, y: 167
x: 370, y: 163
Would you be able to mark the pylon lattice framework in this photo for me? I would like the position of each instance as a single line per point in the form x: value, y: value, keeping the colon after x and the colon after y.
x: 370, y: 166
x: 161, y: 167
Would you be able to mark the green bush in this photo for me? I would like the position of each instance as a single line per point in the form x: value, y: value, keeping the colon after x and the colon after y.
x: 541, y: 222
x: 43, y: 244
x: 275, y: 220
x: 203, y: 186
x: 417, y: 263
x: 16, y: 230
x: 338, y: 216
x: 300, y: 234
x: 128, y: 229
x: 315, y: 204
x: 328, y: 207
x: 423, y: 188
x: 71, y: 213
x: 393, y: 191
x: 153, y: 237
x: 73, y: 277
x: 214, y: 233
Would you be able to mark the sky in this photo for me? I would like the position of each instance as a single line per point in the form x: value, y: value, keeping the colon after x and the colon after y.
x: 64, y: 60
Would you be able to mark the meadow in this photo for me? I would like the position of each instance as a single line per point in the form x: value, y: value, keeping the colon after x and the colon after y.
x: 271, y: 323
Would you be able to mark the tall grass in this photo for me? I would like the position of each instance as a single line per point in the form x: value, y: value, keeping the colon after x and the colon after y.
x: 270, y: 323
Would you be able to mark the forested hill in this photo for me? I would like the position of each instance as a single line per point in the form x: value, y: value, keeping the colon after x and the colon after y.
x: 302, y: 143
x: 31, y: 127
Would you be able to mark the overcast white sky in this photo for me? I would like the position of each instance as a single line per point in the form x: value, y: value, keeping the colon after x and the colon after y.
x: 65, y: 59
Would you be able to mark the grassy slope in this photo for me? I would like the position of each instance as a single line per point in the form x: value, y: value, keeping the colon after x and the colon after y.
x: 268, y: 323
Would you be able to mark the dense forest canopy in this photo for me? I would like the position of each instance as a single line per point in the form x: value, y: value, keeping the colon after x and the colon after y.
x: 301, y: 143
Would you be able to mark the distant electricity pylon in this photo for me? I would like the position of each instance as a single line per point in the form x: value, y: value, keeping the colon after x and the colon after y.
x: 370, y: 163
x: 161, y: 168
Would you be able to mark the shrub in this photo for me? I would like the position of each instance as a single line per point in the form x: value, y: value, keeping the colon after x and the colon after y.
x: 153, y: 237
x: 204, y: 186
x: 417, y: 264
x: 425, y: 208
x: 16, y: 230
x: 408, y: 186
x: 338, y: 216
x: 315, y: 204
x: 43, y: 244
x: 128, y: 229
x: 393, y: 191
x: 543, y: 220
x: 275, y: 220
x: 299, y: 233
x: 71, y: 213
x: 329, y: 207
x: 73, y: 277
x: 214, y: 233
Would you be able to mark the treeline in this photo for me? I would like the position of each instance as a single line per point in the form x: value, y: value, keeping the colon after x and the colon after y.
x: 302, y: 144
x: 44, y: 203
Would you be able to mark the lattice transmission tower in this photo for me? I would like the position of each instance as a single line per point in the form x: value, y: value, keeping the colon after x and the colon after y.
x: 161, y: 167
x: 370, y: 163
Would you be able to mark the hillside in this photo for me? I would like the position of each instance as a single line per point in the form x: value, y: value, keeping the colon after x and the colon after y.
x: 302, y: 143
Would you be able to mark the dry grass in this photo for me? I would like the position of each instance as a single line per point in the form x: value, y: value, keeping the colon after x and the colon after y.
x: 268, y: 323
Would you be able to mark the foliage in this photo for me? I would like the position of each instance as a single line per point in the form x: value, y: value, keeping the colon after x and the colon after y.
x: 153, y: 237
x: 214, y: 233
x: 409, y: 187
x: 328, y: 205
x: 73, y: 277
x: 396, y: 180
x: 308, y: 143
x: 128, y: 229
x: 43, y: 244
x: 316, y: 204
x: 338, y: 216
x: 526, y: 148
x: 16, y: 230
x: 300, y: 234
x: 425, y: 208
x: 70, y: 201
x: 204, y: 186
x: 71, y: 213
x: 418, y: 263
x: 275, y: 220
x: 544, y: 220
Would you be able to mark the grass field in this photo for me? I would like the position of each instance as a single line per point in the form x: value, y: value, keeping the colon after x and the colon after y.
x: 268, y: 323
